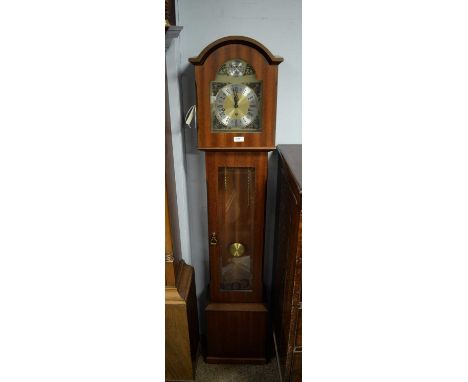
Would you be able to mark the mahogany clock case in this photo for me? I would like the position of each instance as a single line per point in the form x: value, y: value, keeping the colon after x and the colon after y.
x: 236, y: 212
x: 236, y: 174
x: 236, y: 333
x: 265, y: 66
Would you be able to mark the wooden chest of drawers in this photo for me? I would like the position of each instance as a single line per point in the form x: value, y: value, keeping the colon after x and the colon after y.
x: 287, y: 272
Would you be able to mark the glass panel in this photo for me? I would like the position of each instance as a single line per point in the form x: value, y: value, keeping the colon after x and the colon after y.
x: 236, y: 193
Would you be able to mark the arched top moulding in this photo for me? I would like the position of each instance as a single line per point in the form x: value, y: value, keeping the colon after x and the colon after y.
x: 200, y: 59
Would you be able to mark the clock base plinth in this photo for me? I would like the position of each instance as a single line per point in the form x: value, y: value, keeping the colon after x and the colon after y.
x: 236, y: 333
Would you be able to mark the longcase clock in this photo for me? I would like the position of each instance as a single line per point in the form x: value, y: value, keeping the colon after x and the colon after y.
x: 236, y: 82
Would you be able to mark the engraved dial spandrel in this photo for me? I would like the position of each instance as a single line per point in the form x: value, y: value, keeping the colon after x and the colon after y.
x: 236, y: 68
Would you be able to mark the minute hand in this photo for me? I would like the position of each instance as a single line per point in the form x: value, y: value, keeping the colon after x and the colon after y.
x: 236, y: 100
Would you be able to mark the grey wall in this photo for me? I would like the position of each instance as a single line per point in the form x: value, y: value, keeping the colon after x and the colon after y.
x: 277, y: 25
x: 274, y: 23
x: 178, y: 154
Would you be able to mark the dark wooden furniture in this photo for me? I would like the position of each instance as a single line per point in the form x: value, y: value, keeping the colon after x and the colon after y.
x: 287, y: 278
x: 181, y: 324
x: 169, y: 6
x: 236, y: 171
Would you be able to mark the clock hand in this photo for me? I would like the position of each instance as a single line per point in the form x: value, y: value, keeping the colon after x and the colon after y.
x: 236, y: 99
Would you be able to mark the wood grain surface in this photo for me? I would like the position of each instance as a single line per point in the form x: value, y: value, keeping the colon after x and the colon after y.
x: 207, y: 65
x: 181, y: 326
x: 287, y: 277
x: 236, y: 335
x: 217, y: 221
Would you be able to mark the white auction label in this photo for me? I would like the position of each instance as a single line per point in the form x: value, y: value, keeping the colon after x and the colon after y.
x: 238, y: 139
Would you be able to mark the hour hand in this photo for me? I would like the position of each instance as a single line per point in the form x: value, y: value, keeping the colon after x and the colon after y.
x: 236, y: 99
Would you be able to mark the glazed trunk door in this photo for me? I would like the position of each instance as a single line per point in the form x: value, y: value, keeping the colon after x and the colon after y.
x: 236, y: 202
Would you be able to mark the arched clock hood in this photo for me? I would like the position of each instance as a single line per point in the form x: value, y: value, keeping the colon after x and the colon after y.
x: 243, y: 40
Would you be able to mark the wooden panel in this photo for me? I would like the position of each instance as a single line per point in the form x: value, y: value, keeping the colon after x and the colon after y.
x: 265, y: 72
x: 192, y: 317
x: 168, y: 238
x: 200, y: 59
x: 178, y: 358
x: 296, y: 367
x: 170, y: 270
x: 298, y: 341
x: 286, y: 289
x: 214, y: 161
x: 169, y: 253
x: 181, y: 327
x: 236, y: 334
x: 169, y: 6
x: 284, y: 272
x: 291, y: 157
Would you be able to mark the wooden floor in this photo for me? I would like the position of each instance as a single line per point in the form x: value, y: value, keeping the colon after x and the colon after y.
x: 236, y: 373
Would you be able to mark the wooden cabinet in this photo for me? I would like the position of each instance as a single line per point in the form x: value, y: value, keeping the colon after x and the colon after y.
x: 181, y: 326
x: 181, y: 323
x: 287, y: 277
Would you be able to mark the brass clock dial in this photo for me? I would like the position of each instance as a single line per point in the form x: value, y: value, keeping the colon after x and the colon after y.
x: 236, y: 106
x: 236, y: 97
